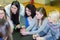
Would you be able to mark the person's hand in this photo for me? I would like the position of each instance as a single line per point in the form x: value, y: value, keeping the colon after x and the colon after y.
x: 18, y: 26
x: 23, y: 32
x: 34, y: 36
x: 40, y: 38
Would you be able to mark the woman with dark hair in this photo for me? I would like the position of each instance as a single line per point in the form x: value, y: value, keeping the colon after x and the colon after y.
x: 15, y: 11
x: 5, y: 26
x: 30, y: 19
x: 30, y: 8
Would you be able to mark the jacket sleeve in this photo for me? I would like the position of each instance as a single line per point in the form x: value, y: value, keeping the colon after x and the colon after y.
x: 22, y: 21
x: 31, y: 26
x: 44, y: 32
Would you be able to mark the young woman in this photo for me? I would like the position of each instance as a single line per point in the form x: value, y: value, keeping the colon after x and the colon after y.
x: 15, y: 11
x: 5, y: 26
x: 42, y: 21
x: 52, y: 29
x: 30, y: 19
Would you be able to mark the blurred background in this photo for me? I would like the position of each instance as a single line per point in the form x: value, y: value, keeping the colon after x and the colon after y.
x: 47, y: 4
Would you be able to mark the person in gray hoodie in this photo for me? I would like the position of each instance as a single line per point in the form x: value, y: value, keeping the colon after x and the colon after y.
x: 15, y: 11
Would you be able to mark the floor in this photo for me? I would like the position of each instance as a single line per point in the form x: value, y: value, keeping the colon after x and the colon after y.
x: 18, y: 36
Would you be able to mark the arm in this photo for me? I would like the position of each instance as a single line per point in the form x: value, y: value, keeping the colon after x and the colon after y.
x: 34, y: 23
x: 39, y: 29
x: 22, y: 21
x: 44, y: 32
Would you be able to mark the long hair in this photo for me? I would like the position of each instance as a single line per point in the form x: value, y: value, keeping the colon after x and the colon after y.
x: 42, y: 9
x: 17, y: 4
x: 32, y: 8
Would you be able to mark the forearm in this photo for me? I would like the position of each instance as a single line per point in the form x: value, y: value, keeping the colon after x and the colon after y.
x: 31, y: 27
